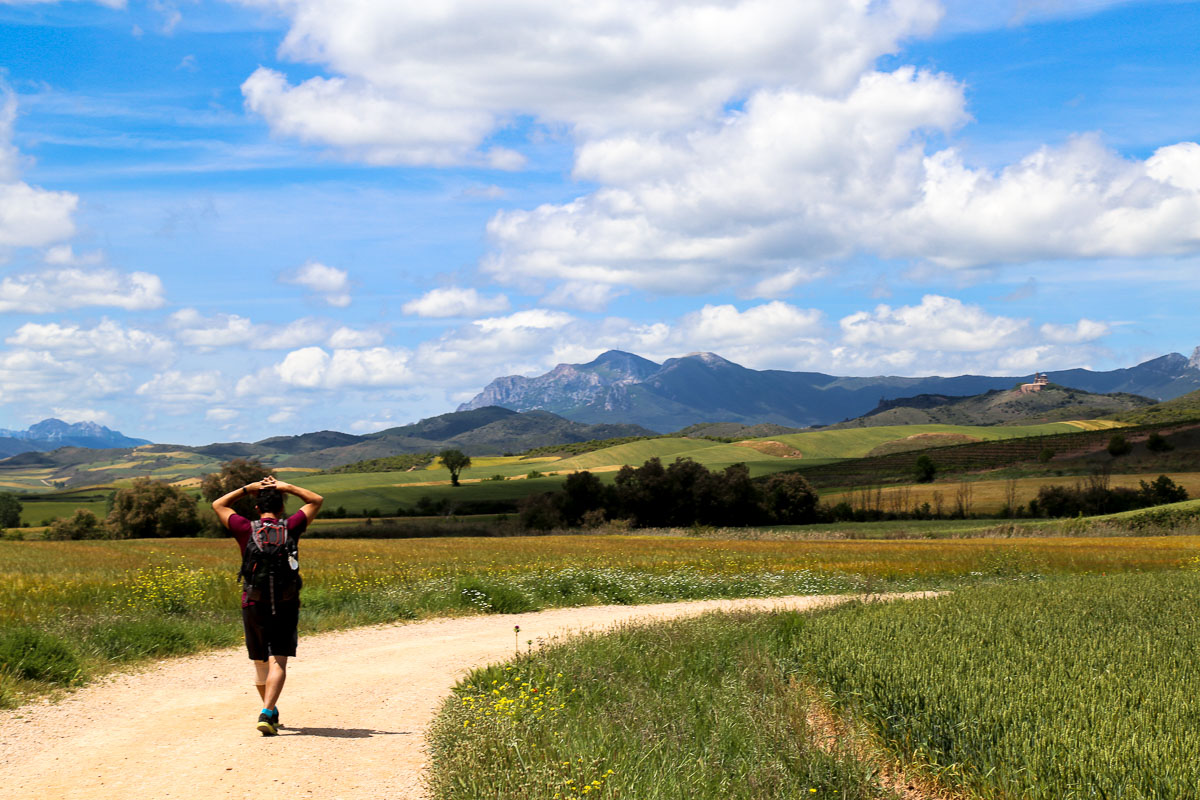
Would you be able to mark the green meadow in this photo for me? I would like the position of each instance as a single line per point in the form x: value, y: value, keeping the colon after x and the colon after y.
x: 1051, y: 688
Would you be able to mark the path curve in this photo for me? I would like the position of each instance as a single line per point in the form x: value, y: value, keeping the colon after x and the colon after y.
x: 356, y: 706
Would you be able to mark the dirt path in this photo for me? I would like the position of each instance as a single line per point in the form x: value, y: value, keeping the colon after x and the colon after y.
x: 355, y: 709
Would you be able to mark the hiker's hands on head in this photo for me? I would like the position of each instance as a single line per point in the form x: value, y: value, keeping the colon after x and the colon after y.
x: 258, y: 486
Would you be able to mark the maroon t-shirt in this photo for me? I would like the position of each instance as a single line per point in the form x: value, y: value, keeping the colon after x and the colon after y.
x: 239, y: 528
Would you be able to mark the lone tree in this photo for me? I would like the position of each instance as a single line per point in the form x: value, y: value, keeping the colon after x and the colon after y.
x: 925, y: 469
x: 455, y: 461
x: 152, y: 509
x: 10, y: 510
x: 1118, y: 445
x: 233, y: 475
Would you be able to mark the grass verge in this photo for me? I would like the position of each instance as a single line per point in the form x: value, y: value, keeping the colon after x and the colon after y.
x: 693, y: 709
x: 1059, y: 688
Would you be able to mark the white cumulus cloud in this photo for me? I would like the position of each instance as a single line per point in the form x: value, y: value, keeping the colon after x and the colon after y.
x: 1085, y: 330
x: 764, y: 196
x: 227, y: 330
x: 186, y: 389
x: 59, y: 289
x: 330, y: 283
x: 454, y: 301
x: 44, y: 377
x: 938, y: 323
x: 345, y: 338
x: 316, y: 368
x: 29, y: 216
x: 413, y: 86
x: 109, y: 341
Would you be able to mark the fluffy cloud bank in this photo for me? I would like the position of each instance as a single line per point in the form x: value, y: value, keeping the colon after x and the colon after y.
x: 60, y: 289
x: 29, y: 216
x: 735, y: 143
x: 795, y: 181
x: 413, y: 86
x: 109, y: 341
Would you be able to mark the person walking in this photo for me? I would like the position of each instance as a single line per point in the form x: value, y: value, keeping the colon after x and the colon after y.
x: 270, y: 582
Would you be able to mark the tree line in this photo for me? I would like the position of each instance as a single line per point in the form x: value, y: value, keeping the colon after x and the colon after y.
x: 682, y: 494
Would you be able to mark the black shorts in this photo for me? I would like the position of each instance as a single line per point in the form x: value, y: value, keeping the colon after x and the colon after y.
x: 270, y: 634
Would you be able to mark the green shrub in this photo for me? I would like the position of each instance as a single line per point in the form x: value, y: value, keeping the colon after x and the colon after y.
x: 924, y: 469
x: 1155, y: 443
x: 38, y: 656
x: 151, y: 508
x: 1118, y: 445
x: 83, y: 524
x: 10, y: 510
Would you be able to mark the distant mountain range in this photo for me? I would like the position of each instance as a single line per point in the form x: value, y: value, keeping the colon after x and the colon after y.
x: 50, y: 434
x: 622, y: 395
x: 704, y: 387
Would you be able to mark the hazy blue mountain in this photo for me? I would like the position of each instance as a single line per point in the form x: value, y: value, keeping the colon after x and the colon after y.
x: 50, y: 434
x: 704, y: 387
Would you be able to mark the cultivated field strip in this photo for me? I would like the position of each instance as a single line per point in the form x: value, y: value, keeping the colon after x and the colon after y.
x: 1080, y: 687
x: 974, y: 455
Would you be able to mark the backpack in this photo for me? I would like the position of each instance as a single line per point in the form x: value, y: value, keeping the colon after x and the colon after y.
x: 267, y: 563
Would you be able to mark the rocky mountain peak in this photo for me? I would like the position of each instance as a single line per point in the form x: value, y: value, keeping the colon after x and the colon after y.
x: 56, y: 429
x: 620, y: 365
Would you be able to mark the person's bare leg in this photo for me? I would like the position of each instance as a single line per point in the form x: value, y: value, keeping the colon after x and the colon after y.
x: 276, y: 675
x: 260, y: 679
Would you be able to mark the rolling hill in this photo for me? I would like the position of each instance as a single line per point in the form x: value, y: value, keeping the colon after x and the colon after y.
x: 1186, y: 407
x: 999, y: 407
x: 476, y: 432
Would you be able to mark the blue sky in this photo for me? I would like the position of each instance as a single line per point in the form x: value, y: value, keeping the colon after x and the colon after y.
x: 233, y: 220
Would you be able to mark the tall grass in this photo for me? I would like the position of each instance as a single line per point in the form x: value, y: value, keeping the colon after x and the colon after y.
x: 1081, y: 687
x: 681, y: 710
